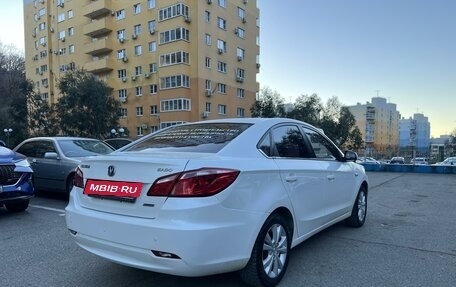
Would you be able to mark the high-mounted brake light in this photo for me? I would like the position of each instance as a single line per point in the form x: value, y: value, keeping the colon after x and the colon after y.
x: 78, y: 179
x: 194, y: 183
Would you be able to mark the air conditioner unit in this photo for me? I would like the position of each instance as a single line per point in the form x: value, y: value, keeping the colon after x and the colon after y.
x: 245, y: 1
x: 56, y: 52
x: 209, y: 1
x: 236, y: 31
x: 52, y: 30
x: 40, y: 72
x: 187, y: 19
x: 124, y: 79
x: 60, y: 4
x: 113, y: 13
x: 133, y: 78
x: 45, y: 85
x: 239, y: 58
x: 239, y: 79
x: 152, y: 31
x: 43, y: 44
x: 144, y: 126
x: 63, y: 39
x: 220, y: 51
x: 41, y: 1
x: 208, y: 93
x: 125, y: 59
x: 146, y: 75
x: 121, y: 40
x: 33, y: 34
x: 205, y: 115
x: 244, y: 20
x: 134, y: 36
x: 123, y: 99
x: 258, y: 65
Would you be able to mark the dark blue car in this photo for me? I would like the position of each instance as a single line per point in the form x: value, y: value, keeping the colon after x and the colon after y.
x: 16, y: 186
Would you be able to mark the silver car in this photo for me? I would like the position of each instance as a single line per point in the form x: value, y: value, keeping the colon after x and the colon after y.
x: 54, y: 159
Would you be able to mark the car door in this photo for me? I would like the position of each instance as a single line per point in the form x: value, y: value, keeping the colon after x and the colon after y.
x: 301, y: 176
x: 340, y: 184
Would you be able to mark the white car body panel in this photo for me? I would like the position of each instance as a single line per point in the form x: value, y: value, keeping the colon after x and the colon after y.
x: 212, y: 234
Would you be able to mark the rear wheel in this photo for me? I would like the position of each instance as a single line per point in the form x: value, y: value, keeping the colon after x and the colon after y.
x: 269, y: 259
x: 17, y: 206
x: 359, y: 211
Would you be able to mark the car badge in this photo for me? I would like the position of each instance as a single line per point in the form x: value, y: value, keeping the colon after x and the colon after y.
x: 111, y: 170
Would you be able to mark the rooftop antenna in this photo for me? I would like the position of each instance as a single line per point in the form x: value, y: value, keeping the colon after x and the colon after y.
x: 378, y: 92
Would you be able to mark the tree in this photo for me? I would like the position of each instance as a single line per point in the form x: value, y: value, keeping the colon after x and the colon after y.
x: 307, y: 109
x: 269, y: 105
x: 86, y: 107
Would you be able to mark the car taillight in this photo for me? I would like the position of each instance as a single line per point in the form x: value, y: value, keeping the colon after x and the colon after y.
x: 78, y: 179
x: 194, y: 183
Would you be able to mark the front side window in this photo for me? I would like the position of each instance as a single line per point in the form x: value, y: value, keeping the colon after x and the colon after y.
x: 289, y: 142
x: 322, y: 147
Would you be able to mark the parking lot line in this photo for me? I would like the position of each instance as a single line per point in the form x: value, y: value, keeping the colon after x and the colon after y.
x: 48, y: 208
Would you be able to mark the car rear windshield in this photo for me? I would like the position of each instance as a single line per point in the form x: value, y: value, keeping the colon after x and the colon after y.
x: 202, y: 137
x: 81, y: 148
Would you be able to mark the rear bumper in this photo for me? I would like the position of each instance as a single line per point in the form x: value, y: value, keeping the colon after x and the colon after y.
x: 207, y: 240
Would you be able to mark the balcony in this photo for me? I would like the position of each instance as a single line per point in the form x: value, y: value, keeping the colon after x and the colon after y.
x: 100, y: 46
x: 98, y: 27
x: 100, y: 66
x: 97, y: 9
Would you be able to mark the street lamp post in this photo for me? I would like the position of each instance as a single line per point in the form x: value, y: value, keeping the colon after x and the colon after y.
x: 8, y: 132
x: 119, y: 132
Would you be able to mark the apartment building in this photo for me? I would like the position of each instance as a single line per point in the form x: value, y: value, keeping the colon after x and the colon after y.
x: 167, y: 61
x: 415, y: 135
x: 378, y: 122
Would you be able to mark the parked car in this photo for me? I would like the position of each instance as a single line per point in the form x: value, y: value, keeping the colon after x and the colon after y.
x: 117, y: 143
x: 368, y: 160
x: 54, y: 159
x: 448, y: 161
x: 216, y: 196
x: 2, y: 143
x: 16, y: 187
x: 419, y: 161
x: 397, y: 160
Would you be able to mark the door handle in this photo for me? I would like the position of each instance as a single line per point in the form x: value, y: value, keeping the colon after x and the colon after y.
x: 331, y: 177
x: 291, y: 178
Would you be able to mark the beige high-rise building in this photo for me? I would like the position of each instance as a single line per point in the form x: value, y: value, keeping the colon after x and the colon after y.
x: 167, y: 61
x: 378, y: 122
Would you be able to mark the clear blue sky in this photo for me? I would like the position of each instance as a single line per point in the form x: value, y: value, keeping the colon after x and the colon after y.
x: 405, y: 49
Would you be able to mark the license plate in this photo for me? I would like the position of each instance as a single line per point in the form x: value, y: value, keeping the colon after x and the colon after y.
x: 113, y: 188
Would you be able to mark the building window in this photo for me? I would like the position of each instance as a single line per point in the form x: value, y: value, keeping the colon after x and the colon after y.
x: 121, y: 54
x: 152, y: 26
x: 180, y: 57
x: 137, y: 29
x: 61, y: 35
x: 138, y: 50
x: 123, y: 112
x: 152, y: 46
x: 240, y: 32
x: 154, y: 110
x: 241, y: 13
x: 221, y: 88
x: 175, y: 105
x: 222, y: 3
x: 173, y: 11
x: 120, y: 14
x: 138, y: 70
x: 42, y: 26
x: 42, y: 12
x: 169, y: 124
x: 240, y: 112
x: 221, y: 67
x: 240, y: 93
x: 221, y: 109
x: 177, y: 81
x: 150, y: 4
x: 208, y: 62
x: 139, y: 111
x: 121, y: 34
x: 61, y: 17
x: 208, y: 107
x: 207, y: 16
x: 121, y: 73
x: 45, y: 96
x: 122, y: 94
x: 71, y: 31
x: 138, y: 93
x: 70, y: 14
x: 137, y: 8
x: 174, y: 35
x: 153, y: 68
x: 208, y: 39
x: 208, y: 85
x: 221, y: 45
x: 221, y: 23
x: 139, y: 131
x: 153, y: 89
x: 240, y: 53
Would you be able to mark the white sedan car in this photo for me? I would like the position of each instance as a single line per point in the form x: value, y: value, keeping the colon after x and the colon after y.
x: 216, y: 196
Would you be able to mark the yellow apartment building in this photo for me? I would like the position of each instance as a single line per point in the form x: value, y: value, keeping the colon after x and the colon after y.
x: 378, y: 122
x: 167, y: 61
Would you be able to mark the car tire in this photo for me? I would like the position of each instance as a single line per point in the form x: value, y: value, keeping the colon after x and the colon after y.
x: 17, y: 206
x: 359, y: 210
x: 270, y: 255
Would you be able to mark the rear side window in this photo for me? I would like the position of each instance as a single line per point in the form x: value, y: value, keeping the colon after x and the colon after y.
x: 203, y: 137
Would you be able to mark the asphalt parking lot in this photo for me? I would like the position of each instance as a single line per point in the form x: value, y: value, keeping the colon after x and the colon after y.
x: 409, y: 239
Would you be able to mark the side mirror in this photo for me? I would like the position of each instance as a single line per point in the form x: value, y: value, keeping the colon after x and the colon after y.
x: 350, y: 155
x: 51, y: 155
